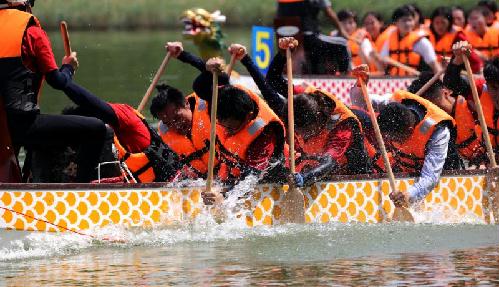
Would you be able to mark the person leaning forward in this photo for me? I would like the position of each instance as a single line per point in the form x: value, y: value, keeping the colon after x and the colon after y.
x: 26, y: 58
x: 417, y: 133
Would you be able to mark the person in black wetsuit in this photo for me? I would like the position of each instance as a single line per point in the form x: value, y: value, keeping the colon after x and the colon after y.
x: 319, y: 49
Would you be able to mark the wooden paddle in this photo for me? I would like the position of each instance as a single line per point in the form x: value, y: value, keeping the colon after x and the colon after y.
x: 65, y: 38
x: 399, y: 65
x: 154, y: 82
x: 293, y: 204
x: 213, y: 132
x: 485, y: 131
x: 232, y: 62
x: 401, y: 213
x: 430, y: 83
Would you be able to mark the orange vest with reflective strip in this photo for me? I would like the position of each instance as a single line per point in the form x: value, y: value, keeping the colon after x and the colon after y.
x: 469, y: 134
x: 194, y: 151
x: 317, y: 146
x: 13, y: 24
x: 232, y: 149
x: 491, y: 117
x: 410, y: 155
x: 443, y: 47
x: 138, y: 163
x: 401, y: 50
x: 488, y: 45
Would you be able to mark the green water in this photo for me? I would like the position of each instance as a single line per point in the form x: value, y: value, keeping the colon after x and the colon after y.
x: 119, y: 66
x: 227, y: 255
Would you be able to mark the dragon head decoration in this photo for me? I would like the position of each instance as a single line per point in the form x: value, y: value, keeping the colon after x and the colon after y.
x: 204, y: 28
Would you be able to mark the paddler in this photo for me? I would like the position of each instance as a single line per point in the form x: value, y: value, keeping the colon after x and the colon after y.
x: 483, y: 39
x: 488, y: 89
x: 26, y: 58
x: 328, y: 135
x: 406, y: 45
x: 417, y: 133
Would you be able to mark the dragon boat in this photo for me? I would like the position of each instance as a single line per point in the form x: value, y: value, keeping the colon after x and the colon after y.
x: 459, y: 197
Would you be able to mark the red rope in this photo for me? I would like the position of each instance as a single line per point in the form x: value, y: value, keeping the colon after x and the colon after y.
x: 48, y: 222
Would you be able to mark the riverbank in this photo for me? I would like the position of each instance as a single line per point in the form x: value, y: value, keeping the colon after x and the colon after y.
x: 161, y: 14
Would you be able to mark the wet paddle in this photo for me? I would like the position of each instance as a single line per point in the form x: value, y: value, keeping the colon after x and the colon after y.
x: 293, y: 204
x: 400, y: 213
x: 154, y: 82
x: 213, y: 132
x: 486, y: 138
x: 65, y: 38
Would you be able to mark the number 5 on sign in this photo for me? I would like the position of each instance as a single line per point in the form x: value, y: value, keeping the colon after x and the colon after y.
x: 262, y: 47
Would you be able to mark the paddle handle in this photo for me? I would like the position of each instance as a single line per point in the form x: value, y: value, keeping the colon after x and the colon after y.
x: 65, y: 38
x: 399, y: 65
x: 430, y: 83
x: 213, y: 133
x: 377, y: 132
x: 232, y: 62
x: 481, y: 117
x: 154, y: 82
x: 291, y: 112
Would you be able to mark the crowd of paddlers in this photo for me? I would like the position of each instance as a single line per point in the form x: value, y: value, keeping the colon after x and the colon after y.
x: 443, y: 121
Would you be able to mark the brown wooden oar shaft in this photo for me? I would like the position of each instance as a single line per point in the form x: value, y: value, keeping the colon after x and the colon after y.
x: 65, y: 38
x: 291, y: 112
x: 154, y: 82
x: 481, y: 117
x: 399, y: 65
x: 377, y: 133
x: 213, y: 133
x: 232, y: 62
x: 430, y: 83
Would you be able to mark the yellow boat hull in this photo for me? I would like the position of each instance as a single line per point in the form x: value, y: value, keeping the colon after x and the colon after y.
x: 460, y: 197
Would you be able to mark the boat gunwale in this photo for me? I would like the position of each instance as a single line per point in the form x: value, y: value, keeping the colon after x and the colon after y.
x: 156, y: 185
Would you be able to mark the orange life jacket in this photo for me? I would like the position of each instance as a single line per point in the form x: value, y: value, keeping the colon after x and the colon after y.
x: 401, y: 50
x: 443, y: 47
x: 383, y: 37
x: 313, y: 148
x: 232, y: 149
x: 193, y: 151
x: 355, y: 49
x: 409, y: 156
x: 488, y: 45
x: 149, y: 165
x: 491, y: 117
x: 469, y: 134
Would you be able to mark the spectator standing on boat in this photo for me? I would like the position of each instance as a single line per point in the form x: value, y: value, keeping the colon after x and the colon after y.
x: 26, y: 58
x: 360, y: 44
x: 405, y: 45
x: 483, y: 39
x: 417, y: 133
x: 442, y: 35
x: 458, y: 17
x: 319, y: 49
x: 328, y: 135
x: 488, y: 89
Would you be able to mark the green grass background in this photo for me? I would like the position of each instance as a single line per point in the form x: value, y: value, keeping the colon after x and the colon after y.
x: 164, y: 14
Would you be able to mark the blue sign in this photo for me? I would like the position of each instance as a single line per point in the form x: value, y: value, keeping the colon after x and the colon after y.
x: 262, y: 42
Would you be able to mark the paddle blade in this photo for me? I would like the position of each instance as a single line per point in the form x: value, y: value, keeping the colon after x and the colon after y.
x: 293, y: 207
x: 401, y: 214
